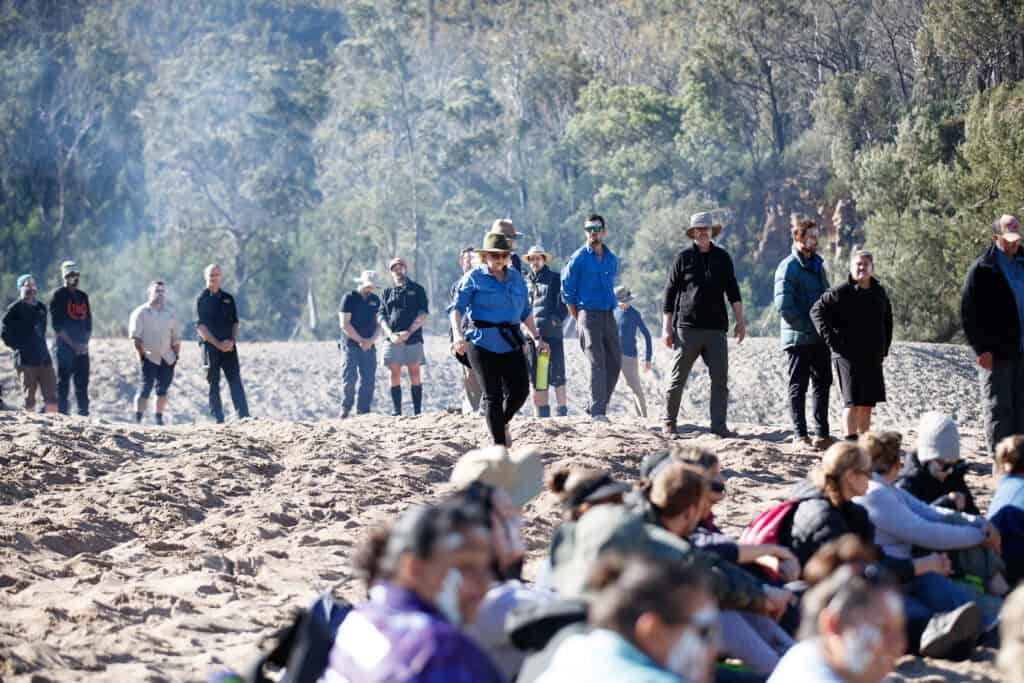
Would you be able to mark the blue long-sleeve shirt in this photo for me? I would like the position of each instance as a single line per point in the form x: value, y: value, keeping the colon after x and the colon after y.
x: 629, y: 321
x: 589, y: 284
x: 1013, y: 270
x: 483, y: 297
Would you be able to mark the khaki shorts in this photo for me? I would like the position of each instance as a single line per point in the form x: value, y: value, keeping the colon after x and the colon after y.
x: 42, y: 377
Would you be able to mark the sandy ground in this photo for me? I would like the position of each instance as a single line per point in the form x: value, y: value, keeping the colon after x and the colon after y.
x: 137, y: 553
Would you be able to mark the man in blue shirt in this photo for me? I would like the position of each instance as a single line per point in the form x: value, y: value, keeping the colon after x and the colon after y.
x: 629, y: 321
x: 588, y: 289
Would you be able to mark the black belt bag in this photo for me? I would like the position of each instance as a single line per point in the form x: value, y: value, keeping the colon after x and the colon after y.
x: 510, y: 332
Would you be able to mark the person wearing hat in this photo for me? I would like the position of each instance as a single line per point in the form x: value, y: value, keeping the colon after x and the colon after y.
x: 403, y: 313
x: 588, y: 288
x: 933, y: 472
x: 629, y: 320
x: 549, y: 312
x: 494, y: 297
x: 24, y: 331
x: 71, y: 317
x: 153, y: 329
x: 800, y: 280
x: 855, y: 320
x: 216, y: 317
x: 695, y: 320
x: 504, y: 226
x: 474, y: 392
x: 361, y: 328
x: 992, y: 314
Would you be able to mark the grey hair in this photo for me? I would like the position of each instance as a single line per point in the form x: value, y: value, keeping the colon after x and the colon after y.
x: 209, y: 269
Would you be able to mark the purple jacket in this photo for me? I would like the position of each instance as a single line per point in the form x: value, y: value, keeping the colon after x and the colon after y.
x: 395, y: 637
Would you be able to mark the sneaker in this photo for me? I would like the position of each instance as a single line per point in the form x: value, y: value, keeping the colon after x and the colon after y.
x: 822, y: 442
x: 599, y: 418
x: 946, y: 631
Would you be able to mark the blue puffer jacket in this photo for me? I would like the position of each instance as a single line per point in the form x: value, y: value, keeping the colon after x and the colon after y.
x: 799, y: 282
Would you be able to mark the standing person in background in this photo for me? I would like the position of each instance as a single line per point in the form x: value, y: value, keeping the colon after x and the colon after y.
x: 549, y: 312
x: 154, y: 331
x: 695, y: 321
x: 992, y: 313
x: 855, y: 320
x: 72, y: 325
x: 629, y: 320
x: 800, y: 280
x: 471, y: 404
x: 588, y: 289
x: 504, y: 226
x: 24, y: 331
x: 493, y: 295
x: 403, y: 313
x: 217, y: 325
x: 357, y: 316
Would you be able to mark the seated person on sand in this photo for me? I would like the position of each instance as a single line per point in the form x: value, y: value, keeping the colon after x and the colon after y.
x: 427, y: 575
x: 905, y: 526
x: 933, y: 472
x: 939, y: 622
x: 851, y: 629
x: 675, y: 501
x: 650, y: 620
x: 1007, y: 509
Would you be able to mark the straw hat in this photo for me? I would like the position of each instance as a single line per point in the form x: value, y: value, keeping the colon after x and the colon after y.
x: 704, y: 219
x: 520, y: 473
x: 537, y: 249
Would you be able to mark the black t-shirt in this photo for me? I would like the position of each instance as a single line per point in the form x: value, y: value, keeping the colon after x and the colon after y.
x: 71, y: 314
x: 401, y: 306
x: 24, y: 330
x: 217, y: 312
x: 364, y: 312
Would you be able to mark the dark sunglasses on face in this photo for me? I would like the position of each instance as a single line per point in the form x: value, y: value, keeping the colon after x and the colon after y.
x: 593, y: 228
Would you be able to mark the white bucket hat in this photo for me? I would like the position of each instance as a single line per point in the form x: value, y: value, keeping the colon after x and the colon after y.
x: 368, y: 278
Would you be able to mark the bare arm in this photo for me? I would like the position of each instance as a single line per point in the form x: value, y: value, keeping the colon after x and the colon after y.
x: 138, y: 347
x: 572, y: 311
x: 741, y: 323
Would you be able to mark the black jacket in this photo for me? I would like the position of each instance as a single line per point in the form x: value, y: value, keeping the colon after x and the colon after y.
x: 545, y: 291
x: 855, y: 323
x: 814, y: 521
x: 919, y: 482
x: 24, y: 330
x: 988, y: 310
x: 697, y: 287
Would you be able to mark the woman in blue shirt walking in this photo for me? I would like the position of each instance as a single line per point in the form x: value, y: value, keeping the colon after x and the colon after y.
x: 494, y: 297
x: 629, y: 321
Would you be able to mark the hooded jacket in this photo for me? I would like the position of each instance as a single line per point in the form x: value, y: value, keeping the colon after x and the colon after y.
x: 855, y: 323
x: 799, y: 283
x: 988, y: 311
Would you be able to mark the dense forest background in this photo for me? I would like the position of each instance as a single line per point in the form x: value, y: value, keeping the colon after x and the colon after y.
x: 299, y: 142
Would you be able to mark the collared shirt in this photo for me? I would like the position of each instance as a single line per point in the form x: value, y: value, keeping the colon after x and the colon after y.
x: 395, y: 636
x: 629, y: 321
x: 1013, y: 271
x: 484, y: 297
x: 217, y: 313
x: 157, y: 329
x: 364, y: 310
x: 589, y: 283
x: 400, y: 306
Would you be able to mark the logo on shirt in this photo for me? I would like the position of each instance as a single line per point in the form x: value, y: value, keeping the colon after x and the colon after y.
x: 78, y: 311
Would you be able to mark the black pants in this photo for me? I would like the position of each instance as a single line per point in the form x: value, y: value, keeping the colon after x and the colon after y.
x: 72, y: 368
x: 506, y: 383
x: 810, y: 362
x: 152, y: 374
x: 362, y: 366
x: 217, y: 360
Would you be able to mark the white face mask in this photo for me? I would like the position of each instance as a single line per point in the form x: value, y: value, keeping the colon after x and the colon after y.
x: 859, y: 644
x: 689, y: 655
x: 448, y: 596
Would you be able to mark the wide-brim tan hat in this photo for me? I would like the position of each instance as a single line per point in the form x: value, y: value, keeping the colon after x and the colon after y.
x: 704, y: 219
x: 368, y: 278
x: 623, y: 295
x: 495, y: 243
x: 519, y: 473
x: 538, y: 250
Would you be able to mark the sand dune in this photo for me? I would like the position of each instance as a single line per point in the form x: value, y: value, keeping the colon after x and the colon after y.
x: 138, y: 553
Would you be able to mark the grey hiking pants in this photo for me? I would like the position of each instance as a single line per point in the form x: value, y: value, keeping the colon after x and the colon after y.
x: 599, y: 339
x: 713, y: 347
x: 1002, y: 395
x: 358, y: 366
x: 631, y: 372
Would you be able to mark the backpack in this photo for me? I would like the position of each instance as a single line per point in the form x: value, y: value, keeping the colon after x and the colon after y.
x: 302, y: 648
x: 764, y: 530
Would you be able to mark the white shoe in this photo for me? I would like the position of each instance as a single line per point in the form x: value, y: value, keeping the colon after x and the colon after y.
x: 599, y: 418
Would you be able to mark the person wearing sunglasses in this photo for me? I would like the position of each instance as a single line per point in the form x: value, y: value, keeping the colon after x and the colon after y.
x: 933, y: 471
x: 650, y: 620
x: 695, y: 320
x: 588, y: 289
x: 495, y: 299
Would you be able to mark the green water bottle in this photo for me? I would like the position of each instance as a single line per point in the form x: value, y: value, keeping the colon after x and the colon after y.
x: 543, y: 358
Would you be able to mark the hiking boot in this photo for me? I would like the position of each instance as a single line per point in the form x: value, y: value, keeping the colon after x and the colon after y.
x: 668, y: 429
x: 822, y: 442
x: 345, y: 412
x: 946, y: 631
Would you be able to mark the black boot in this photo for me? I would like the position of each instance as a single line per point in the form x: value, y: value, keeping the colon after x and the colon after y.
x: 159, y: 417
x: 396, y: 401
